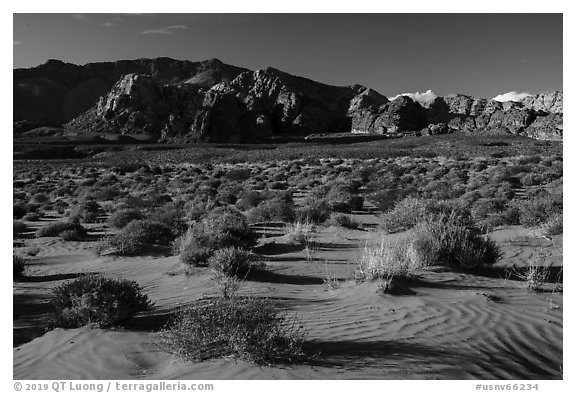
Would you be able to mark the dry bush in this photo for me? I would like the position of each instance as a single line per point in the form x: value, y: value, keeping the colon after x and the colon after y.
x: 97, y: 300
x: 249, y: 329
x: 387, y: 260
x: 299, y: 232
x: 448, y: 240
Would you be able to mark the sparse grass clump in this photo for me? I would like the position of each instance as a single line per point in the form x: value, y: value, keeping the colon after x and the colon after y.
x: 387, y: 260
x: 248, y: 329
x: 299, y: 232
x: 97, y: 300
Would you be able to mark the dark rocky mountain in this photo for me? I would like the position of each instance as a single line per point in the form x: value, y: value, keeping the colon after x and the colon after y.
x: 56, y: 92
x: 211, y: 101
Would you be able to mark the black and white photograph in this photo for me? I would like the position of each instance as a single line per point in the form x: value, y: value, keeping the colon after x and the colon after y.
x: 208, y: 196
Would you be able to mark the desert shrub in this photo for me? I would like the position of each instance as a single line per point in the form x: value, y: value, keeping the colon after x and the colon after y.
x: 448, y: 241
x: 72, y: 235
x: 32, y: 216
x: 387, y: 260
x: 106, y: 193
x: 86, y: 211
x: 553, y: 226
x: 299, y: 232
x: 120, y: 218
x: 136, y: 237
x: 248, y: 329
x: 486, y: 207
x: 222, y: 227
x: 278, y: 185
x: 150, y: 232
x: 39, y: 198
x: 56, y: 228
x: 19, y: 228
x: 230, y: 261
x: 314, y: 210
x: 277, y: 209
x: 405, y: 214
x: 531, y: 179
x: 239, y: 174
x: 172, y: 215
x: 97, y: 300
x: 121, y: 243
x: 18, y: 266
x: 340, y: 198
x: 385, y: 199
x: 343, y: 220
x: 537, y: 211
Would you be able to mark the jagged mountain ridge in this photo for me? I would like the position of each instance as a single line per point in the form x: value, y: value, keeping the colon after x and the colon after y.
x: 57, y: 92
x: 211, y: 101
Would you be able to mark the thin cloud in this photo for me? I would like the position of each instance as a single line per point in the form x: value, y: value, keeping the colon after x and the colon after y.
x: 17, y: 42
x: 425, y: 99
x: 79, y: 16
x: 165, y: 30
x: 511, y: 96
x: 108, y: 24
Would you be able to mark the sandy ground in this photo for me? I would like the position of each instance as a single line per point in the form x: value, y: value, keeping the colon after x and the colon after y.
x: 454, y: 326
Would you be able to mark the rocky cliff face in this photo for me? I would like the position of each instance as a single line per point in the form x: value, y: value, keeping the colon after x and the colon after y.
x: 211, y: 101
x: 56, y: 92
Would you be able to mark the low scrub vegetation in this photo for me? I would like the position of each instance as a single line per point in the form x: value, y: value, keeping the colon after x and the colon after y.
x: 222, y: 227
x: 249, y: 329
x: 97, y: 301
x: 56, y: 228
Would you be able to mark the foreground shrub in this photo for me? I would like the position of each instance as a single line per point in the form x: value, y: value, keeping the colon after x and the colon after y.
x: 56, y: 228
x: 248, y: 329
x: 97, y: 300
x: 448, y: 241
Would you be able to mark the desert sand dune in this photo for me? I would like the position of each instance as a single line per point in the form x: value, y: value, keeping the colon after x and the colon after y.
x: 453, y: 326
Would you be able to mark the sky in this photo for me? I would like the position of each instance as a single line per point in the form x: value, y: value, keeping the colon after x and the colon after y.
x: 483, y: 55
